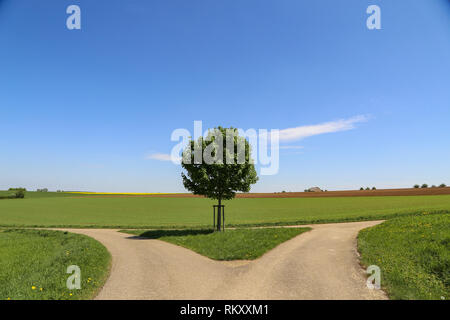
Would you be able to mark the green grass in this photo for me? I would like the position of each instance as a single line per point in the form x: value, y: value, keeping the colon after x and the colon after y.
x: 59, y: 210
x: 413, y: 254
x: 240, y: 244
x: 33, y: 265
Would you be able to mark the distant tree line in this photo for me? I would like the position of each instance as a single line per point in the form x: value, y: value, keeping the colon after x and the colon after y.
x: 17, y: 189
x: 424, y: 186
x: 362, y: 188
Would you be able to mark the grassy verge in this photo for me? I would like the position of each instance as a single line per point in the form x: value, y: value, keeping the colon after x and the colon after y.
x: 33, y: 265
x: 413, y: 254
x: 241, y: 244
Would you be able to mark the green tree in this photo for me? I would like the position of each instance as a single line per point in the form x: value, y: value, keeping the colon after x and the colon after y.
x: 218, y: 166
x: 20, y: 194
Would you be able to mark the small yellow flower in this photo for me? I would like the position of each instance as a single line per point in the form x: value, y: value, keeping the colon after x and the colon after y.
x: 33, y: 288
x: 9, y: 298
x: 41, y: 289
x: 70, y: 294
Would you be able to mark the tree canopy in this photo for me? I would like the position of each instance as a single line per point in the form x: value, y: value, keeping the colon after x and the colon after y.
x: 218, y: 165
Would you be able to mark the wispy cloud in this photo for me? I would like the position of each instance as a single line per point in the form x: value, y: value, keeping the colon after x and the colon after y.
x: 292, y: 134
x: 159, y: 156
x: 298, y: 133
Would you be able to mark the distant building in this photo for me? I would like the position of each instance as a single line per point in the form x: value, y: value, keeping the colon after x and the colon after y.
x: 314, y: 189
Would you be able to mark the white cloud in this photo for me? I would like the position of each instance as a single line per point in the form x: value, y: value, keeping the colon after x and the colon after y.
x: 160, y: 157
x: 297, y: 133
x: 292, y: 134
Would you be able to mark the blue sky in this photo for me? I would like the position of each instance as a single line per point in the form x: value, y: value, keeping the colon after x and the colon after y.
x: 84, y: 109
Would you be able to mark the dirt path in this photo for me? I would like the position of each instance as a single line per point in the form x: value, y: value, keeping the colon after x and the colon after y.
x: 320, y: 264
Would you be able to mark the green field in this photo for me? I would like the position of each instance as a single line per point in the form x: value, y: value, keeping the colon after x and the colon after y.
x: 413, y: 254
x: 33, y: 265
x: 238, y: 244
x: 56, y: 210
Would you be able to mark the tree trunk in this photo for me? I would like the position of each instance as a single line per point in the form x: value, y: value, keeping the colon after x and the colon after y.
x: 219, y: 216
